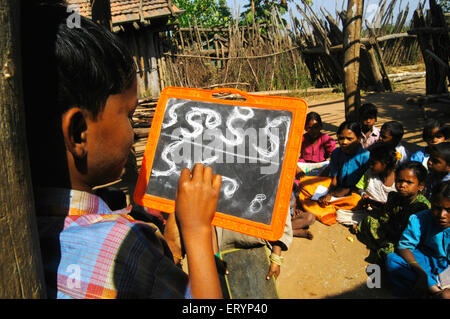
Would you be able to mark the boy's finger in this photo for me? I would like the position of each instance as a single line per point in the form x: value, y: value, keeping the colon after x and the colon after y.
x: 217, y: 182
x: 207, y: 175
x: 197, y: 172
x: 185, y: 175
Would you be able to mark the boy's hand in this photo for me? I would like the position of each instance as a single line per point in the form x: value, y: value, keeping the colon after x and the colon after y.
x: 299, y: 173
x: 173, y: 238
x: 196, y: 198
x: 420, y: 289
x: 273, y: 270
x: 195, y: 204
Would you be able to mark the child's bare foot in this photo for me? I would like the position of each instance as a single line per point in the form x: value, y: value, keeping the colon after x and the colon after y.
x: 303, y: 233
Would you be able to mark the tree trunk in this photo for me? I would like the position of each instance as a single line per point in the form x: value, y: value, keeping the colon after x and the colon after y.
x: 21, y: 271
x: 352, y: 44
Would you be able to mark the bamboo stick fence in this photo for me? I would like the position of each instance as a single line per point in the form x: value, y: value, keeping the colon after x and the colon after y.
x: 284, y: 56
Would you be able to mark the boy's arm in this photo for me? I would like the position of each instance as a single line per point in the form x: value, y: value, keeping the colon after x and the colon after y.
x: 420, y: 288
x: 195, y: 205
x: 408, y: 242
x: 276, y: 261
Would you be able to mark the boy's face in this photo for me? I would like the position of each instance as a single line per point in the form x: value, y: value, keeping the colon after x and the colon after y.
x: 407, y: 184
x: 441, y: 211
x: 385, y: 136
x: 435, y: 138
x: 438, y: 165
x: 110, y: 137
x: 348, y: 141
x: 313, y: 129
x: 368, y: 123
x: 377, y: 167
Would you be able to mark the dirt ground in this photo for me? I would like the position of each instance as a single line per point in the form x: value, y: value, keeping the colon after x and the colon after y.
x: 333, y: 264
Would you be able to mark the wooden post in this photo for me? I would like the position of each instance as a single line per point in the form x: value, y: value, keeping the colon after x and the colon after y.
x: 352, y: 44
x: 101, y: 13
x: 21, y: 271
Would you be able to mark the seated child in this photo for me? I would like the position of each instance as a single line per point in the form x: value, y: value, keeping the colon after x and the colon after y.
x: 301, y: 220
x: 348, y: 163
x: 80, y: 90
x: 229, y: 240
x: 438, y: 166
x: 316, y: 146
x: 391, y: 133
x: 368, y: 116
x: 434, y: 132
x: 417, y: 268
x: 375, y: 185
x: 381, y: 231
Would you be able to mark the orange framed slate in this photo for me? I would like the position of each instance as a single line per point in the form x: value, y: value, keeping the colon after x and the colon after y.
x: 185, y: 116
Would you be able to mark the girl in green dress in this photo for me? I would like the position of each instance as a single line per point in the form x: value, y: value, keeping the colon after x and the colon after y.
x: 381, y: 230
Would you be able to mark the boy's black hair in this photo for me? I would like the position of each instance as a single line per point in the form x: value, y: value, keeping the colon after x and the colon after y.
x: 368, y: 111
x: 441, y: 189
x: 385, y: 154
x: 313, y: 116
x: 396, y: 130
x: 64, y: 67
x: 355, y: 127
x: 87, y: 64
x: 441, y: 150
x: 419, y: 170
x: 430, y: 125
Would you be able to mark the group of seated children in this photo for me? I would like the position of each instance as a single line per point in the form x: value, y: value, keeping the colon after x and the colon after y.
x: 372, y: 184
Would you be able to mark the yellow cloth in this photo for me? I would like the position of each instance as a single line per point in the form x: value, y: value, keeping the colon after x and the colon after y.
x: 327, y: 214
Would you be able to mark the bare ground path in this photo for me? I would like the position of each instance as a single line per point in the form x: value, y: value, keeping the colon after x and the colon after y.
x: 333, y: 264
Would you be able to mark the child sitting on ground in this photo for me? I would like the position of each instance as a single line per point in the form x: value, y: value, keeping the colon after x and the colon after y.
x: 391, y: 133
x: 375, y: 185
x: 316, y: 147
x: 301, y: 220
x: 434, y: 132
x: 438, y: 166
x: 381, y: 231
x: 420, y: 266
x: 80, y: 92
x: 370, y: 133
x: 348, y: 163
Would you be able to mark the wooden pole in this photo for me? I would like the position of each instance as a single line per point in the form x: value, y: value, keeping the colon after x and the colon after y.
x: 21, y: 271
x: 352, y: 44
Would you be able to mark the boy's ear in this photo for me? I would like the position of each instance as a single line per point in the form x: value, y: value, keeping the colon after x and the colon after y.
x: 74, y: 130
x: 421, y: 186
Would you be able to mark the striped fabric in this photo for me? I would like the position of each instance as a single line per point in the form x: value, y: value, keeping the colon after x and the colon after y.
x: 90, y: 251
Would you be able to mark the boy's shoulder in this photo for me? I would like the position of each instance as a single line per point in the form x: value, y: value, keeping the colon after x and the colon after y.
x: 123, y: 253
x: 87, y: 216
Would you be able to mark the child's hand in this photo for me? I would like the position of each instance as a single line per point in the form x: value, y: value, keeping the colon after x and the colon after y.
x: 420, y: 289
x: 324, y: 200
x: 173, y: 239
x: 299, y: 173
x: 196, y: 198
x: 195, y: 204
x: 274, y: 270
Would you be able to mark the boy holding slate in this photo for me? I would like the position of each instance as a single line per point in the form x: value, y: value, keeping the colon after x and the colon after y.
x: 80, y: 91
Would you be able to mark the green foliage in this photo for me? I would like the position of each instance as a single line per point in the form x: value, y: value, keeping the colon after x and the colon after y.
x: 208, y: 13
x: 445, y: 4
x: 263, y: 11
